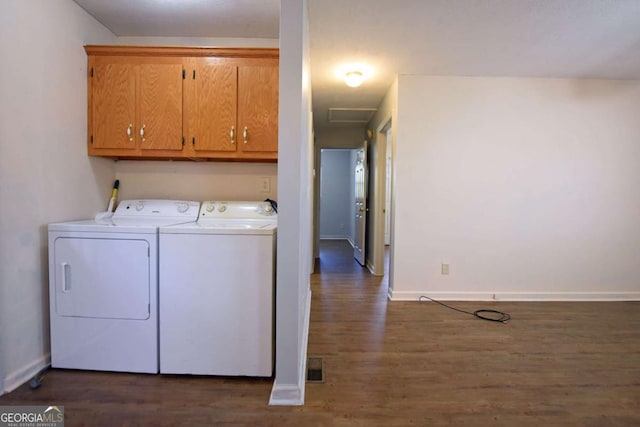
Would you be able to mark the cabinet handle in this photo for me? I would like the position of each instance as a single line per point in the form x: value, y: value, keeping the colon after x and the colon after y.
x: 129, y: 130
x: 142, y: 133
x: 232, y: 134
x: 245, y: 134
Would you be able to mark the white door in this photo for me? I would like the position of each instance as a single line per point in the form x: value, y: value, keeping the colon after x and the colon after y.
x: 361, y: 205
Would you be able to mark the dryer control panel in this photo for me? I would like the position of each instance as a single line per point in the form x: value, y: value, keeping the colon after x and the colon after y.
x: 157, y: 208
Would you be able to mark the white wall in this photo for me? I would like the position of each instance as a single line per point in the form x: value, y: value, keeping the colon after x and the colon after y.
x: 295, y: 184
x: 528, y: 188
x: 335, y: 195
x: 340, y: 137
x: 45, y: 173
x: 196, y: 180
x: 198, y: 41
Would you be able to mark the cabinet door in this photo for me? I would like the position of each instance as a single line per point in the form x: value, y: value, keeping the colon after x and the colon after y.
x: 214, y: 125
x: 113, y: 92
x: 258, y: 108
x: 160, y: 106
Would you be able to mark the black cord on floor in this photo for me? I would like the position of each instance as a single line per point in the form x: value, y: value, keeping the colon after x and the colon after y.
x: 501, y: 317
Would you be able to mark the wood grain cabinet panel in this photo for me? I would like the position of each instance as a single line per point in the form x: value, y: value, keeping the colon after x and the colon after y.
x: 212, y: 107
x: 135, y: 106
x: 160, y: 107
x: 113, y: 110
x: 231, y: 108
x: 183, y: 103
x: 258, y: 108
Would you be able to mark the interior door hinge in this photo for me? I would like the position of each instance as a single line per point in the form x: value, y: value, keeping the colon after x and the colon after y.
x: 184, y: 75
x: 91, y: 71
x: 92, y: 139
x: 193, y: 141
x: 183, y: 141
x: 194, y: 74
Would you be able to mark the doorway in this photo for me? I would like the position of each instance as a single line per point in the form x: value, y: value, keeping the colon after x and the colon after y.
x: 336, y: 212
x: 387, y: 202
x: 337, y: 195
x: 340, y: 217
x: 382, y: 204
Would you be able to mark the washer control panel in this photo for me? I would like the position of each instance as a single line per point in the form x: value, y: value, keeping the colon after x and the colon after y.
x: 237, y: 210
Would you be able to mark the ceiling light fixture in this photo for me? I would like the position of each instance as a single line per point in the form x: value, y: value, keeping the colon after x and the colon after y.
x: 353, y: 78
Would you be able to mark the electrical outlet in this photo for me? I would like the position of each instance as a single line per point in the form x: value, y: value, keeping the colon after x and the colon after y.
x: 445, y: 269
x: 264, y: 184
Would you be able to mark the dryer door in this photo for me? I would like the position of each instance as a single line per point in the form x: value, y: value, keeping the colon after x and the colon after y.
x: 102, y: 278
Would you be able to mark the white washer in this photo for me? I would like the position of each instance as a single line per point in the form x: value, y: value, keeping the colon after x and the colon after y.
x: 217, y: 291
x: 103, y: 287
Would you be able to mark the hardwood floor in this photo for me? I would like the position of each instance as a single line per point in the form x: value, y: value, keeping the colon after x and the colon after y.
x: 397, y: 363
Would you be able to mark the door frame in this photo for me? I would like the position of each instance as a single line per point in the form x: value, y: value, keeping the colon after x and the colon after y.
x: 378, y: 171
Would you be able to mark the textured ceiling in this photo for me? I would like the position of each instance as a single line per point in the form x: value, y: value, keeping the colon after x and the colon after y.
x: 519, y: 38
x: 532, y: 38
x: 187, y: 18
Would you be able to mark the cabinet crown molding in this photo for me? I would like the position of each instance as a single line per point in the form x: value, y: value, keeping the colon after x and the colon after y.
x: 183, y: 51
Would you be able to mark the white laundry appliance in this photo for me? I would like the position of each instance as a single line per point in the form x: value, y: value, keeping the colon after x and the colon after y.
x: 103, y: 287
x: 217, y: 280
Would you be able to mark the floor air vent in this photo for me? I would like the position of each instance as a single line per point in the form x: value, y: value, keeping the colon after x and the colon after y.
x: 315, y: 370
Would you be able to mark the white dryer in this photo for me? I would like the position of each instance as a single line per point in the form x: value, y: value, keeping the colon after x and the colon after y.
x: 217, y: 281
x: 103, y: 287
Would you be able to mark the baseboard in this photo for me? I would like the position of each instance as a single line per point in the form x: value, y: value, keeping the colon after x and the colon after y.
x: 293, y: 394
x: 515, y: 296
x: 24, y: 374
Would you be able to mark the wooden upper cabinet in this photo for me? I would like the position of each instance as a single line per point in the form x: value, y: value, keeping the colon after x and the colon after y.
x: 135, y: 105
x: 211, y: 105
x: 175, y: 102
x: 231, y: 108
x: 160, y: 106
x: 258, y: 108
x: 112, y: 111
